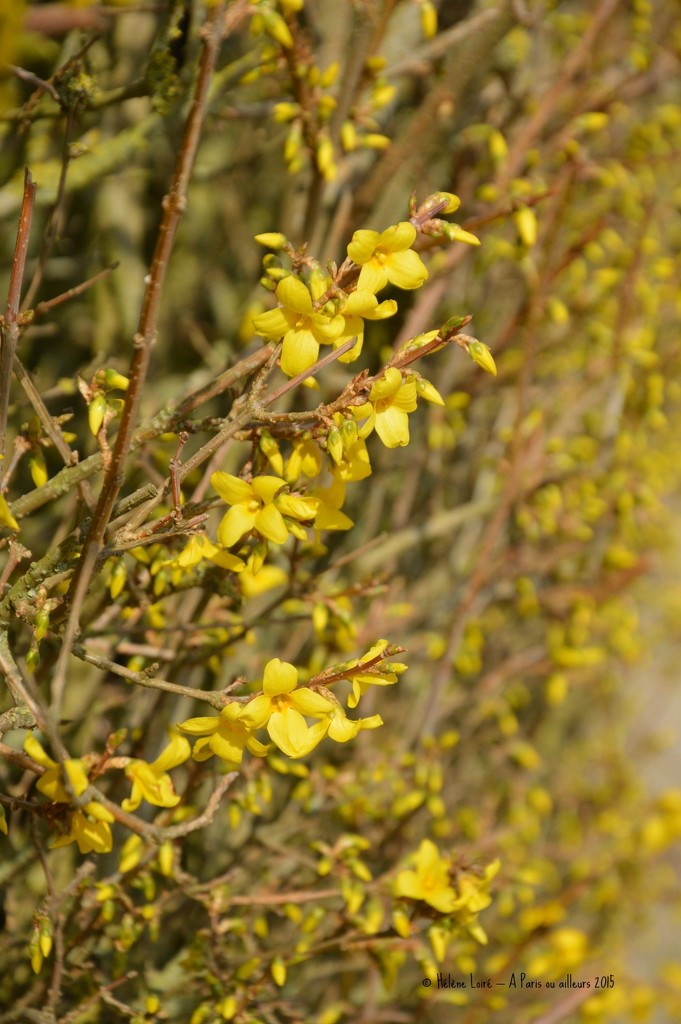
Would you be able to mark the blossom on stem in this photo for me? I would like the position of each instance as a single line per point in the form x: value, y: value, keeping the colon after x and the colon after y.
x: 281, y: 708
x: 386, y: 258
x: 390, y: 400
x: 359, y: 306
x: 428, y: 880
x: 258, y: 506
x: 223, y: 735
x: 88, y: 825
x: 151, y: 782
x: 302, y: 328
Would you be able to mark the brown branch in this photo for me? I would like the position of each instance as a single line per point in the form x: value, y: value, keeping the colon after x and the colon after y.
x: 174, y: 205
x: 9, y: 329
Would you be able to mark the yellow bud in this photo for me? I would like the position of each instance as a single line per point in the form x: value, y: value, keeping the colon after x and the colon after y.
x: 348, y: 134
x: 276, y: 27
x: 455, y: 233
x: 42, y: 624
x: 165, y: 859
x: 480, y: 354
x: 95, y: 414
x: 334, y: 443
x: 325, y: 158
x: 32, y: 658
x: 114, y: 380
x: 119, y: 574
x: 36, y: 464
x: 152, y: 1004
x: 272, y: 239
x: 3, y: 821
x: 428, y: 19
x: 278, y: 970
x: 401, y: 923
x: 6, y: 517
x: 375, y: 141
x: 498, y: 149
x: 526, y: 223
x: 283, y: 112
x: 330, y: 75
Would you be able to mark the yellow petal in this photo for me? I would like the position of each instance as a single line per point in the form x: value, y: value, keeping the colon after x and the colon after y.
x: 234, y: 524
x: 293, y: 294
x: 299, y: 352
x: 279, y: 677
x: 231, y: 489
x: 270, y: 523
x: 362, y: 246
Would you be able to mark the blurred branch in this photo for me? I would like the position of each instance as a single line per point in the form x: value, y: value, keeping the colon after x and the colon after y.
x: 10, y: 327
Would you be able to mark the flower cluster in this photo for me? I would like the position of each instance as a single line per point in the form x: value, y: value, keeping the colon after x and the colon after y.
x: 283, y: 708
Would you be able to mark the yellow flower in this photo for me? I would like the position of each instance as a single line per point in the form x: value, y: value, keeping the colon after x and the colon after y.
x: 329, y: 515
x: 51, y: 783
x: 306, y: 458
x: 429, y: 879
x: 224, y: 736
x: 281, y: 707
x: 89, y: 827
x: 355, y: 464
x: 387, y: 258
x: 341, y: 728
x: 199, y: 547
x: 375, y: 676
x: 299, y: 324
x: 258, y: 506
x: 151, y: 782
x: 360, y: 306
x: 390, y: 400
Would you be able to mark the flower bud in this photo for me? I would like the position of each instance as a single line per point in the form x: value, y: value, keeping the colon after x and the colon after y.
x: 480, y: 354
x: 95, y: 414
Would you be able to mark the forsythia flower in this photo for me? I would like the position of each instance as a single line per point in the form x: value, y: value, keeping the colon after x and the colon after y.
x: 150, y: 781
x: 360, y: 306
x: 387, y: 258
x: 330, y: 516
x: 299, y: 324
x: 224, y: 736
x: 199, y: 547
x: 306, y: 458
x: 390, y: 400
x: 281, y: 707
x: 341, y: 728
x: 429, y: 879
x: 375, y: 676
x: 88, y: 826
x: 258, y: 506
x: 51, y: 783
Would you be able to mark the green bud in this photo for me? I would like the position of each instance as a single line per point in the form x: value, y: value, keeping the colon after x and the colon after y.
x: 32, y: 658
x: 334, y: 443
x: 42, y: 624
x: 349, y: 431
x: 115, y: 380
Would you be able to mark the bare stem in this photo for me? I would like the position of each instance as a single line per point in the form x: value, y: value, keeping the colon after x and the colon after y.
x: 174, y: 205
x: 9, y: 329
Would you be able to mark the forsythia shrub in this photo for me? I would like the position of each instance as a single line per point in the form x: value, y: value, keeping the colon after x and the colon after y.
x: 316, y: 607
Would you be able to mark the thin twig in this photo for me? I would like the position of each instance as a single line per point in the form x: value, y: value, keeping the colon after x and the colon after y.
x: 173, y: 206
x: 150, y: 682
x: 9, y: 329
